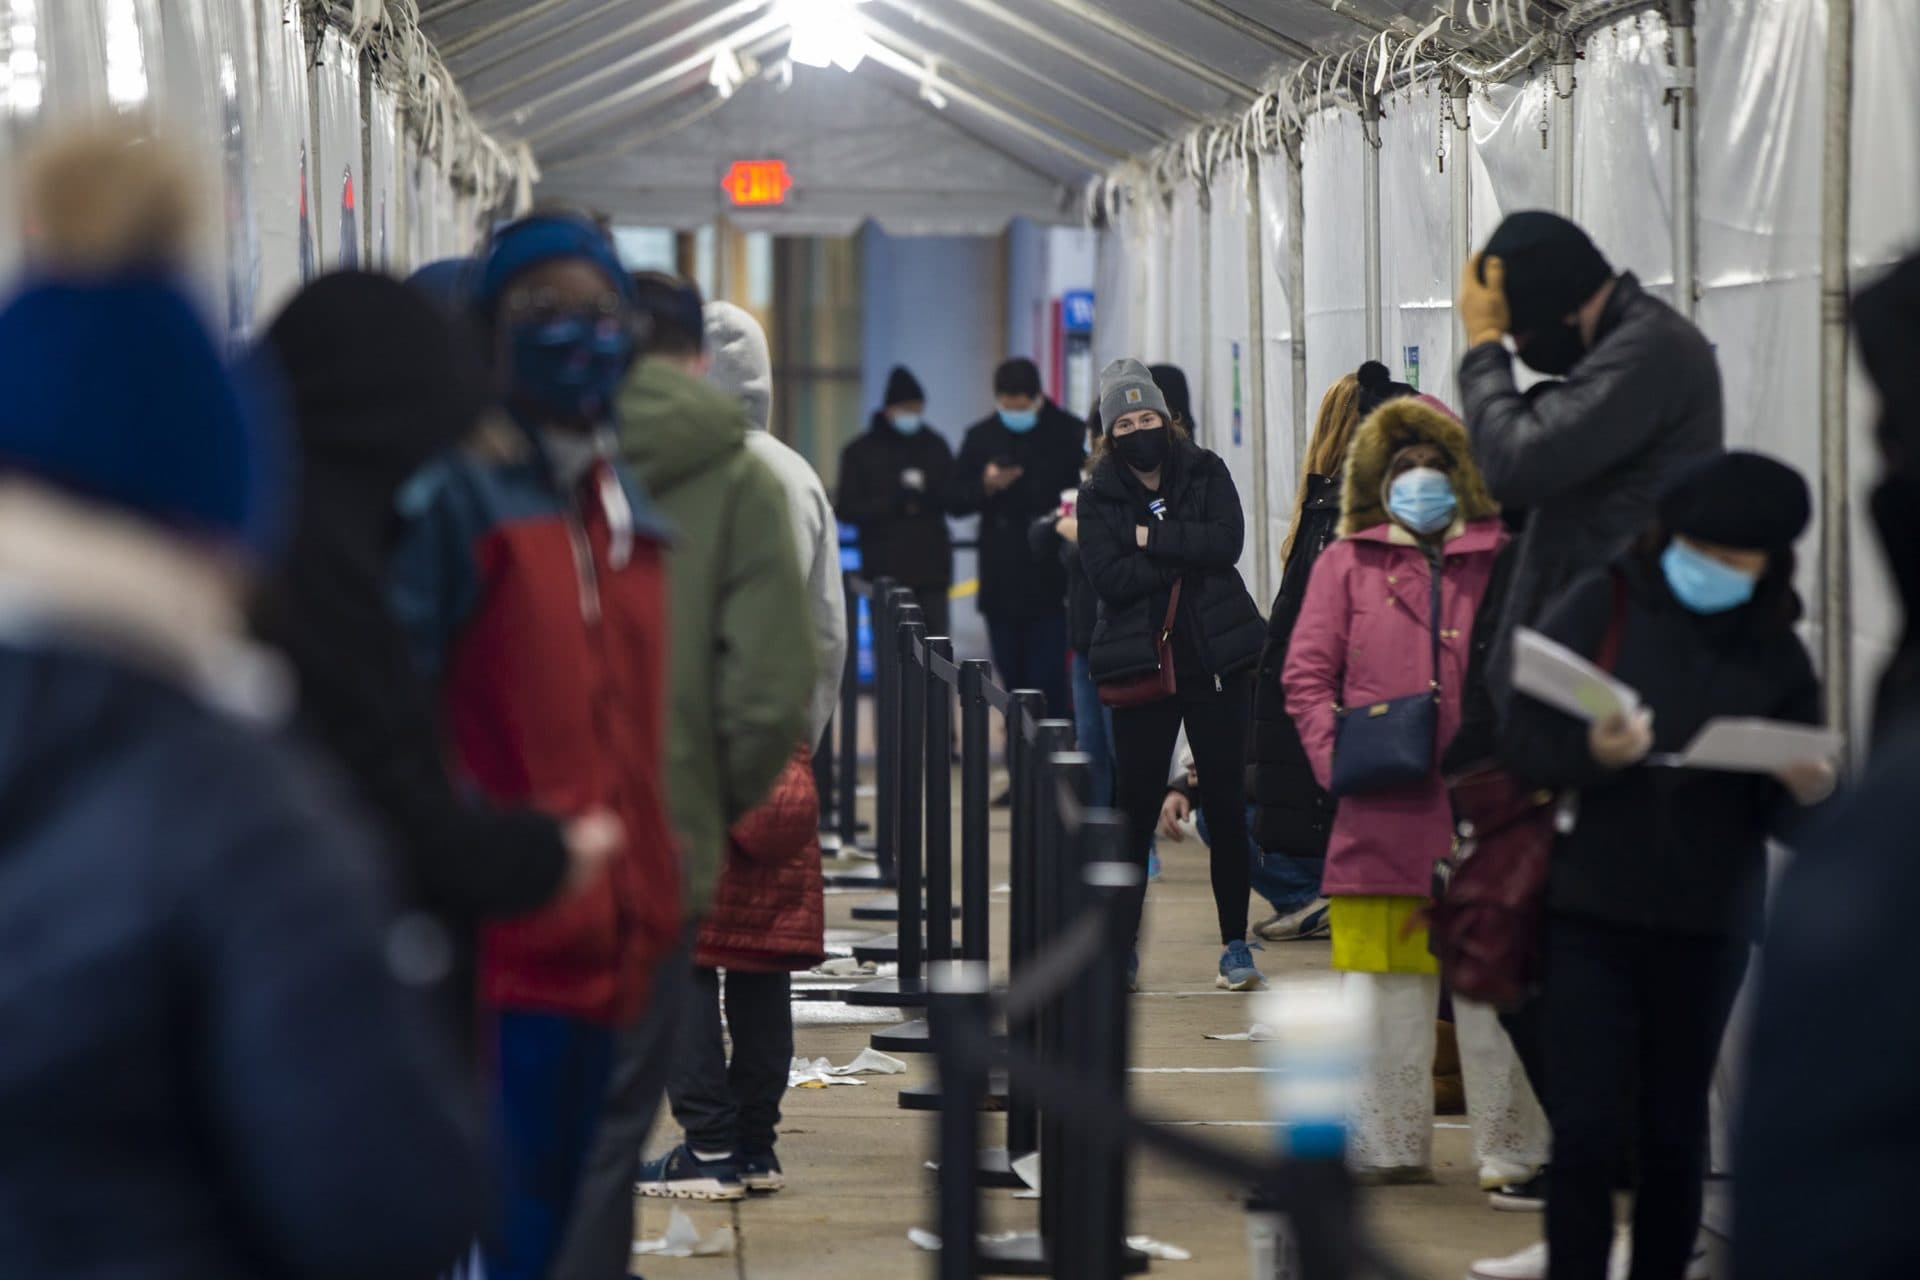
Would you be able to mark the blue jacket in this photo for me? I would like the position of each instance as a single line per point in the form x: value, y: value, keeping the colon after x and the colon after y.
x: 208, y: 1069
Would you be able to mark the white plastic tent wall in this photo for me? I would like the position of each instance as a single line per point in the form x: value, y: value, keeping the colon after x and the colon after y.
x: 278, y: 116
x: 1172, y: 286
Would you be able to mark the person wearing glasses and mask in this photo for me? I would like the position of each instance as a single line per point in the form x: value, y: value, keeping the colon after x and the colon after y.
x: 531, y: 579
x: 1158, y: 515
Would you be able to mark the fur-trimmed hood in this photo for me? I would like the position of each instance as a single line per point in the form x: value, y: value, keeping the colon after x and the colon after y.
x: 1391, y: 428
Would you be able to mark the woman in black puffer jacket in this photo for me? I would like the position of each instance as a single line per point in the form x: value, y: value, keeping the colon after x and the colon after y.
x: 1159, y: 510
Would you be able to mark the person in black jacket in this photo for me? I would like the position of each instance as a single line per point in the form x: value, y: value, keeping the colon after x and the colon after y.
x: 1057, y: 536
x: 896, y: 483
x: 1653, y: 896
x: 1158, y: 511
x: 1292, y: 817
x: 381, y: 379
x: 1013, y: 468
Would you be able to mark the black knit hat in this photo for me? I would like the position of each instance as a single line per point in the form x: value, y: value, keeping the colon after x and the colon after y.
x: 1017, y: 377
x: 1377, y: 387
x: 1551, y: 265
x: 1172, y: 381
x: 903, y: 388
x: 1746, y: 501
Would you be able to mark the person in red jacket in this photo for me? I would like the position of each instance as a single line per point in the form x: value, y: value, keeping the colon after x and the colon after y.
x: 533, y: 586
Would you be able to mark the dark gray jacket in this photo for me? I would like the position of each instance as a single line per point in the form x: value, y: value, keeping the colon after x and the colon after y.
x: 1589, y: 459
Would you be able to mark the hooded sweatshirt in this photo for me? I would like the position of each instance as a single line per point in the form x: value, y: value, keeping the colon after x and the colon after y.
x: 742, y: 668
x: 742, y: 368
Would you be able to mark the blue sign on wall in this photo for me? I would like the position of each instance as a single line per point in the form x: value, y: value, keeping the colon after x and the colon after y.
x: 1076, y: 311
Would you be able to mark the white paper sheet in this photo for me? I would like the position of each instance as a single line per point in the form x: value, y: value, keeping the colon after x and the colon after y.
x: 683, y: 1240
x: 1559, y: 677
x: 1756, y: 746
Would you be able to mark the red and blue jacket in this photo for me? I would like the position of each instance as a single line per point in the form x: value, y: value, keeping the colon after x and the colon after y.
x: 543, y: 617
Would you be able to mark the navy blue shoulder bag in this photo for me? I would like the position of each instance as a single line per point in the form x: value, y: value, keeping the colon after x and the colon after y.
x: 1392, y: 744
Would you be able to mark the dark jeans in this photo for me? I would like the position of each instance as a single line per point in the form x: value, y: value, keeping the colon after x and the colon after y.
x: 1143, y: 739
x: 1633, y: 1022
x: 1031, y: 653
x: 733, y: 1106
x: 1093, y: 731
x: 934, y: 610
x: 599, y: 1242
x: 1286, y: 882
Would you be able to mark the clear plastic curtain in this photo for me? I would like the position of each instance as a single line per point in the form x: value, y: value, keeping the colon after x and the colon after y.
x: 284, y: 168
x: 1222, y: 381
x: 383, y: 203
x: 1276, y: 346
x: 337, y: 183
x: 1149, y: 231
x: 1114, y: 287
x: 1511, y: 169
x: 1416, y: 239
x: 1335, y: 252
x: 1623, y: 178
x: 1184, y: 341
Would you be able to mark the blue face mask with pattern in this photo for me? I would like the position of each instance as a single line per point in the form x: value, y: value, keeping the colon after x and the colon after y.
x: 1019, y: 421
x: 1703, y: 584
x: 571, y: 366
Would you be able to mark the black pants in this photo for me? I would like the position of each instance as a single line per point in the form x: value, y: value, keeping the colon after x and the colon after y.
x: 1633, y: 1022
x: 733, y: 1106
x: 1143, y: 739
x: 934, y: 610
x: 1031, y: 653
x: 599, y: 1240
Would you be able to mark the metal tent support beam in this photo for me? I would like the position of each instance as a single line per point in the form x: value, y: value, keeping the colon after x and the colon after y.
x: 1257, y: 386
x: 1297, y: 289
x: 1836, y: 517
x: 1562, y: 86
x: 1460, y: 190
x: 1257, y: 31
x: 1686, y: 213
x: 1067, y: 49
x: 1370, y: 219
x: 1101, y: 20
x: 528, y: 13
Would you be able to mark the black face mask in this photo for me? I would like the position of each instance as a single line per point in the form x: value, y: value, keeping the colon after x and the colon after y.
x: 1554, y: 349
x: 1143, y: 450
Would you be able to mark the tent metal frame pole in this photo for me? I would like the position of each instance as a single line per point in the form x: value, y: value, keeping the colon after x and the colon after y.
x: 632, y: 62
x: 919, y: 15
x: 1686, y: 214
x: 1460, y: 191
x: 1253, y: 29
x: 1067, y: 49
x: 1203, y: 187
x: 1102, y: 21
x: 1836, y: 515
x: 1257, y: 384
x: 1370, y: 218
x: 1297, y: 289
x: 1562, y: 85
x: 880, y: 33
x: 527, y: 13
x: 904, y: 66
x: 753, y: 32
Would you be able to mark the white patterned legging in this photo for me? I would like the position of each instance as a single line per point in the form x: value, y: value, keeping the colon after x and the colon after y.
x: 1390, y: 1120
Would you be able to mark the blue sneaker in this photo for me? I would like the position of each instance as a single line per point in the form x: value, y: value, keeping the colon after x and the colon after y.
x: 1153, y: 865
x: 1133, y: 972
x: 1236, y: 969
x: 681, y: 1175
x: 761, y: 1173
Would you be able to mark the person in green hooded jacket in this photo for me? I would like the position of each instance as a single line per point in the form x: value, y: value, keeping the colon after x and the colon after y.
x: 742, y: 674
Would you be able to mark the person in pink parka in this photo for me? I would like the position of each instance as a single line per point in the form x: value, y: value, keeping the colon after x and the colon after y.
x: 1413, y: 501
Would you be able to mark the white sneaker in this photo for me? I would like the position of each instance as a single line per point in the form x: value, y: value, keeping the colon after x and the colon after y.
x: 1309, y: 921
x: 1531, y: 1262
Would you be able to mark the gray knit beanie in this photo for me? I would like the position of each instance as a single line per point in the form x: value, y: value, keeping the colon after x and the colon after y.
x: 1127, y: 386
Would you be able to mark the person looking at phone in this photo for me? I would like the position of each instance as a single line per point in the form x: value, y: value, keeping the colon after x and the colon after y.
x: 1013, y: 467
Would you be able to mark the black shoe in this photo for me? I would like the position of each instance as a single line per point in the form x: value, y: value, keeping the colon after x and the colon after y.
x: 1004, y: 800
x: 761, y: 1172
x: 1521, y: 1197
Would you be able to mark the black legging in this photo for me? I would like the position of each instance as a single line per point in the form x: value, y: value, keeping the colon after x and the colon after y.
x: 1143, y: 739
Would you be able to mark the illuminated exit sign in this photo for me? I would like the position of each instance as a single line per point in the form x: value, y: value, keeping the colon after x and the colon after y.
x: 755, y: 183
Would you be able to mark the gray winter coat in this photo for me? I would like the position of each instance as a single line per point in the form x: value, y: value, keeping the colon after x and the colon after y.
x: 1588, y: 460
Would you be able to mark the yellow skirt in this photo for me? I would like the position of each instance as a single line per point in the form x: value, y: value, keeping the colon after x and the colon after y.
x: 1371, y: 935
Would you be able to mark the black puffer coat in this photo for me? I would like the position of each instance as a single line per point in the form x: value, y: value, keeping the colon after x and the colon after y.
x: 1014, y: 585
x: 903, y: 532
x: 1198, y: 543
x: 1083, y: 606
x: 1291, y: 814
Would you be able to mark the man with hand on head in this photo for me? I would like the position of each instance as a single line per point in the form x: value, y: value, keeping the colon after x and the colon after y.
x: 895, y: 484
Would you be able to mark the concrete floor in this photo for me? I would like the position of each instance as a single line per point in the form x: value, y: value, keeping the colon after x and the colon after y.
x: 856, y: 1163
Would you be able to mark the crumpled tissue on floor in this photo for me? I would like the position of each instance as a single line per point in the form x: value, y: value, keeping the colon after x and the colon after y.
x: 683, y: 1240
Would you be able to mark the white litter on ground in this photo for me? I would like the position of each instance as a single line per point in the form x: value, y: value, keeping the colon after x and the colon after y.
x: 1258, y: 1031
x: 1159, y: 1249
x: 924, y: 1239
x: 683, y: 1240
x: 820, y: 1073
x: 1027, y: 1169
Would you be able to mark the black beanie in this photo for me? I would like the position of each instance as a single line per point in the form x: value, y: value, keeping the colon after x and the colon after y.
x: 1551, y: 267
x: 1377, y: 387
x: 1173, y: 385
x: 1017, y: 377
x: 1746, y: 501
x: 903, y: 388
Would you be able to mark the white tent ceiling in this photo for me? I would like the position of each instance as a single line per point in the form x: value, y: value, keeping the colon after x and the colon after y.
x: 1038, y: 95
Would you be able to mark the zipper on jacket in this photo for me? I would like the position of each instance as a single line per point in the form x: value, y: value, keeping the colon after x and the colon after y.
x: 583, y: 567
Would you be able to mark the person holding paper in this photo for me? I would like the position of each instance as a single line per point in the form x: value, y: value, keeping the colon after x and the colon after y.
x: 1416, y: 520
x: 1653, y: 895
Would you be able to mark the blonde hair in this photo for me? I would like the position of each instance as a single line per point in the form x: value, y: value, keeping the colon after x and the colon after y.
x: 1333, y: 429
x: 108, y: 196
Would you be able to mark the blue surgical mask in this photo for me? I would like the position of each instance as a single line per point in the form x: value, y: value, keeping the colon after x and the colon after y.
x: 1422, y: 499
x: 1704, y: 584
x: 571, y: 366
x: 1019, y: 421
x: 906, y: 423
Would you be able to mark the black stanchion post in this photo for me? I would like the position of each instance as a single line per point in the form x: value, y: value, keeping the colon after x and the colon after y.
x: 1027, y: 706
x: 974, y: 847
x: 1061, y: 771
x: 958, y: 1009
x: 888, y: 612
x: 908, y: 808
x: 847, y: 805
x: 937, y: 749
x: 1099, y: 1219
